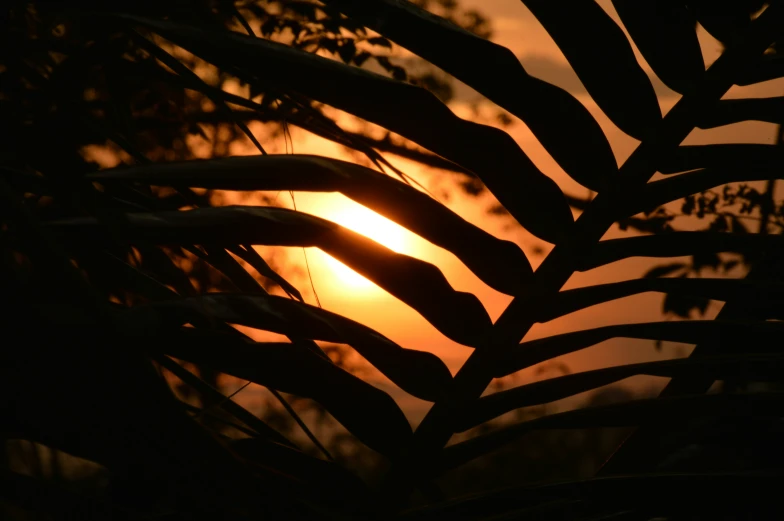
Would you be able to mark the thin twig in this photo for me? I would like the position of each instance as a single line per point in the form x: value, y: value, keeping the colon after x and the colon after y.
x: 230, y: 406
x: 312, y: 437
x: 226, y: 399
x: 199, y: 411
x: 305, y: 253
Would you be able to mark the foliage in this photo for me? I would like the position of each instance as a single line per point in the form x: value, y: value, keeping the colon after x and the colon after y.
x: 99, y: 303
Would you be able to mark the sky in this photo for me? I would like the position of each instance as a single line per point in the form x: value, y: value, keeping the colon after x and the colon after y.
x: 343, y: 291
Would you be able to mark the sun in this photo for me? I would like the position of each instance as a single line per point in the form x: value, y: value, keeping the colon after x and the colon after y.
x: 347, y: 276
x: 370, y: 224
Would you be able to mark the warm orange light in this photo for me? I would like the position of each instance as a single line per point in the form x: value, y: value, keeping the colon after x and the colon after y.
x: 346, y: 275
x: 370, y: 224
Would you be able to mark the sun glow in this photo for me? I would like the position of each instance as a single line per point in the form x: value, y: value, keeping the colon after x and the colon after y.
x: 370, y: 224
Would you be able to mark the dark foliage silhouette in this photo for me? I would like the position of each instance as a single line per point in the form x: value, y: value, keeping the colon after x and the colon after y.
x: 98, y: 305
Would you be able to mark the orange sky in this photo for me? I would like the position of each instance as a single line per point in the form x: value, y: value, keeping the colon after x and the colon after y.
x: 343, y: 291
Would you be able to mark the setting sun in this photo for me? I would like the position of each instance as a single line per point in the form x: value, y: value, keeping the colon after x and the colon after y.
x: 346, y: 275
x: 370, y: 224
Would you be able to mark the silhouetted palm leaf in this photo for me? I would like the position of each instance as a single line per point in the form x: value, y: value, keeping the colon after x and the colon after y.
x: 689, y: 332
x: 563, y: 126
x: 500, y: 264
x: 765, y: 68
x: 422, y: 374
x: 677, y: 187
x: 598, y: 50
x: 677, y: 244
x: 727, y: 112
x: 665, y: 32
x: 367, y: 412
x: 671, y: 410
x: 722, y: 156
x: 749, y: 366
x: 725, y: 20
x: 572, y: 300
x: 458, y: 315
x: 488, y: 152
